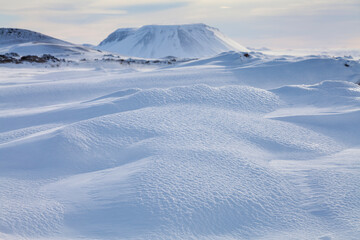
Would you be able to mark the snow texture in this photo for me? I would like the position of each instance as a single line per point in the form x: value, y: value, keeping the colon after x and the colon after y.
x: 232, y: 146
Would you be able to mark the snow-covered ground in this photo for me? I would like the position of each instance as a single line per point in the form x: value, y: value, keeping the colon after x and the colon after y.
x: 234, y: 146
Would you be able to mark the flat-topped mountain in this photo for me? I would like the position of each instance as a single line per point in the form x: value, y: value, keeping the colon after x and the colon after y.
x: 158, y: 41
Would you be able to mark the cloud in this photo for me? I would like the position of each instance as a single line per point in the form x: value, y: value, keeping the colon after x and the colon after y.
x: 156, y: 7
x: 311, y: 21
x: 6, y: 19
x: 306, y: 8
x: 81, y: 19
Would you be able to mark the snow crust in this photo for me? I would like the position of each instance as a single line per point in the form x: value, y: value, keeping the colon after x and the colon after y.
x: 158, y: 41
x: 232, y: 146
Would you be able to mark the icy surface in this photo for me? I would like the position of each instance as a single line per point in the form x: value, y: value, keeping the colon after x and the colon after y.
x: 158, y: 41
x: 234, y: 146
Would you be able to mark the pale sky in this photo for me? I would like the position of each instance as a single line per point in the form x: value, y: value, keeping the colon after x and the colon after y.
x: 276, y: 24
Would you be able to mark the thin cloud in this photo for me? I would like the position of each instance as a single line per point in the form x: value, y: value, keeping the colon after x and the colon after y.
x: 313, y: 21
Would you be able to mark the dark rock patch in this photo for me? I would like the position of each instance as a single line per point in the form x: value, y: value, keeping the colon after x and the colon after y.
x: 7, y: 59
x: 15, y: 58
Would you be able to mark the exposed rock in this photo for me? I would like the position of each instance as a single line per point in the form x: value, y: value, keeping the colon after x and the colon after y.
x: 49, y: 58
x: 15, y: 58
x: 32, y: 58
x: 7, y: 59
x: 12, y: 54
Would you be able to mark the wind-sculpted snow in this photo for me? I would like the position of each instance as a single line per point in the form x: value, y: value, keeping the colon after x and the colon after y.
x: 267, y: 72
x: 246, y: 99
x: 203, y: 169
x: 26, y: 211
x: 178, y: 153
x: 329, y: 106
x: 342, y: 93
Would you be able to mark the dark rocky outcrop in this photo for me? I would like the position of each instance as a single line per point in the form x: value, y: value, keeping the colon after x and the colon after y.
x: 15, y: 58
x: 12, y: 54
x: 32, y: 58
x: 50, y: 58
x: 7, y: 59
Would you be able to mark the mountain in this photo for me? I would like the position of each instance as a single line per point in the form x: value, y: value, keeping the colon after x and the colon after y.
x: 10, y: 36
x: 158, y: 41
x: 26, y: 42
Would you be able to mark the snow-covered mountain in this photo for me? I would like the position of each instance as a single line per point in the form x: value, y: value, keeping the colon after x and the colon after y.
x: 157, y: 41
x: 26, y: 42
x: 11, y: 36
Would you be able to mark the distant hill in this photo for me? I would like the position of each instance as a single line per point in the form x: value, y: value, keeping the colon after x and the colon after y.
x: 158, y: 41
x: 26, y: 42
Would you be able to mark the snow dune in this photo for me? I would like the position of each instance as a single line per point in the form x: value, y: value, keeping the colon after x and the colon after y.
x: 227, y: 147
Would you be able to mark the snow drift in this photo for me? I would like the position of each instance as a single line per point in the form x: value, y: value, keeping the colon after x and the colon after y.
x: 158, y: 41
x: 177, y: 152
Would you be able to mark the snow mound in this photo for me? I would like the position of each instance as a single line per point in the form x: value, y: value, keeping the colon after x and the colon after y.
x: 341, y: 92
x: 163, y: 164
x: 228, y: 59
x: 158, y: 41
x: 246, y: 99
x: 331, y: 107
x: 269, y: 72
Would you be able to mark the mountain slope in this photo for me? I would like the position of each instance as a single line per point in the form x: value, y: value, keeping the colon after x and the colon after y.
x: 157, y: 41
x: 11, y: 36
x: 25, y: 42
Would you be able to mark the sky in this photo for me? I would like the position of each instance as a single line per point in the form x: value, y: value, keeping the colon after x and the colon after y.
x: 275, y: 24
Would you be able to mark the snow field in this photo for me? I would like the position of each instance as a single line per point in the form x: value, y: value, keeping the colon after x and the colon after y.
x: 197, y: 151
